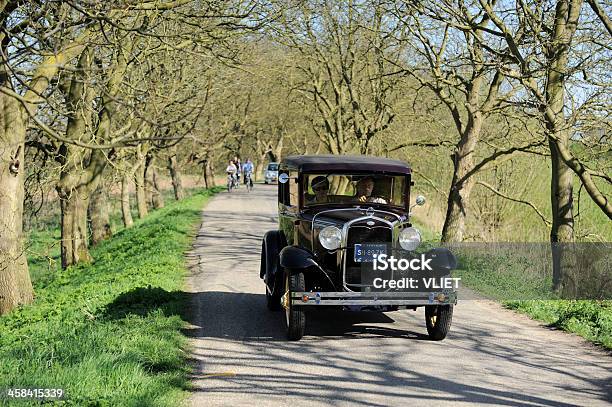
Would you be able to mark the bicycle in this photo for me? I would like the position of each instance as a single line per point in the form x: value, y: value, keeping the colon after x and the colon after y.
x: 248, y: 181
x: 231, y: 182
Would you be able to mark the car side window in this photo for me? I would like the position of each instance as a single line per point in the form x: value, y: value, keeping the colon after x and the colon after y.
x: 288, y: 193
x: 294, y: 194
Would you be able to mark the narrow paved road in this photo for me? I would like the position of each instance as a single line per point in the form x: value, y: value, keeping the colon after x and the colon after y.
x: 492, y: 356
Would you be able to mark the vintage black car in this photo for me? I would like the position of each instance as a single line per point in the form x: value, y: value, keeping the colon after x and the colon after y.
x: 336, y: 213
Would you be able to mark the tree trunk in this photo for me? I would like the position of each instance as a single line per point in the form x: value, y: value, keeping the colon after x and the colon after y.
x: 74, y: 189
x: 141, y: 195
x: 81, y: 168
x: 210, y: 169
x: 15, y: 284
x: 561, y: 196
x: 462, y: 183
x: 99, y: 216
x: 456, y: 211
x: 126, y: 211
x: 154, y: 196
x: 177, y: 180
x: 205, y: 173
x: 156, y: 193
x: 258, y: 170
x: 149, y: 182
x: 562, y: 230
x: 74, y: 203
x: 561, y: 188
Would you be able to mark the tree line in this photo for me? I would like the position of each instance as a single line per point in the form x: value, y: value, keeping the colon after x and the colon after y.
x: 97, y: 95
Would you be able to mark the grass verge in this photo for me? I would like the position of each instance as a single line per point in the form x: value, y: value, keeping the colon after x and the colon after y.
x: 109, y: 333
x: 512, y: 280
x: 512, y: 284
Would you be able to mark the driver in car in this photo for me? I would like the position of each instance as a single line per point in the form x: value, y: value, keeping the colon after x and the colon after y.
x: 364, y: 187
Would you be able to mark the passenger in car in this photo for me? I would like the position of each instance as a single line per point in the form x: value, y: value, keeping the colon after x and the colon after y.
x: 320, y: 187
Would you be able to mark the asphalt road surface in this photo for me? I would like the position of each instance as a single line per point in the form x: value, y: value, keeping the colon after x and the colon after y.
x: 492, y: 356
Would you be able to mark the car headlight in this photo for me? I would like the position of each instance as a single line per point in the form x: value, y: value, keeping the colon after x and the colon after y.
x: 409, y: 238
x: 330, y: 237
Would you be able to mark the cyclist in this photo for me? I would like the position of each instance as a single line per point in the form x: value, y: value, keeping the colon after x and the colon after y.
x: 247, y: 169
x: 238, y: 165
x: 231, y: 171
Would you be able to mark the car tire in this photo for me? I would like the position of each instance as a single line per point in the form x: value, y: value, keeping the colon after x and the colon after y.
x: 438, y: 319
x: 294, y: 317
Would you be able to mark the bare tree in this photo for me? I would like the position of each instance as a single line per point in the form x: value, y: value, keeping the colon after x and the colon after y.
x: 552, y: 46
x: 342, y: 50
x: 450, y: 60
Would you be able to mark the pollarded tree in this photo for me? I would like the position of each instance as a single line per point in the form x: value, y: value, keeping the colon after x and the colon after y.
x: 135, y: 39
x: 40, y: 39
x: 27, y: 68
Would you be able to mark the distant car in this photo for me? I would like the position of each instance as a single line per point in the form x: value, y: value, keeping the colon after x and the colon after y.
x: 322, y: 252
x: 271, y: 173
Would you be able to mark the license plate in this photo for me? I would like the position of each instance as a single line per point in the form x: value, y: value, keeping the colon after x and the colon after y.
x: 364, y: 252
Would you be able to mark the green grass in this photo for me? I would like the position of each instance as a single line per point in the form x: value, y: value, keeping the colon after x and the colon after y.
x: 108, y: 333
x: 520, y: 278
x: 590, y: 319
x: 515, y: 286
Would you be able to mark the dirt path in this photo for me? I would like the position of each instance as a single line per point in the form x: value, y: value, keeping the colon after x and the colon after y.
x: 491, y: 357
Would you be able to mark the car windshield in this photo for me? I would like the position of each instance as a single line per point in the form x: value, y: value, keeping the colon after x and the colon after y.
x: 272, y: 167
x: 354, y: 189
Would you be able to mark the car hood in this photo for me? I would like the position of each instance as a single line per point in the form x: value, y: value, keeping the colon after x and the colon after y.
x: 343, y: 215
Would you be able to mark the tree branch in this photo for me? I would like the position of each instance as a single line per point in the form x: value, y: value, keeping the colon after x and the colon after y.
x: 535, y: 208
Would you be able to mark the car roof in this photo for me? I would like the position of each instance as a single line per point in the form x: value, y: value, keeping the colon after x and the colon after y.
x: 331, y: 162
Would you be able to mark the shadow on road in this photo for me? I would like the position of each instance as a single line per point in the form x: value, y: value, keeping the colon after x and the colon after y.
x: 243, y: 319
x: 246, y: 334
x: 244, y: 316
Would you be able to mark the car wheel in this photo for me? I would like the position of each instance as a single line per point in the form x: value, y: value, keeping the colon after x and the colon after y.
x: 294, y: 317
x: 438, y: 319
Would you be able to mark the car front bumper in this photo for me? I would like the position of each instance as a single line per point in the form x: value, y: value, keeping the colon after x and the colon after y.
x: 373, y: 298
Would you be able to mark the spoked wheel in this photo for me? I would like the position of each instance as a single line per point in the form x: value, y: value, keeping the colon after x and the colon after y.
x: 294, y: 317
x: 438, y: 319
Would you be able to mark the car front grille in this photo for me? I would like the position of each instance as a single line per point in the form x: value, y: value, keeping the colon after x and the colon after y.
x: 360, y: 232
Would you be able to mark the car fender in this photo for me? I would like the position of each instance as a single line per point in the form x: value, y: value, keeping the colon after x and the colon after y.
x: 273, y: 242
x: 443, y: 260
x: 296, y: 258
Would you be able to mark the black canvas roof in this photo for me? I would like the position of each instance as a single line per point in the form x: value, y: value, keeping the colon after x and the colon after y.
x: 329, y: 162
